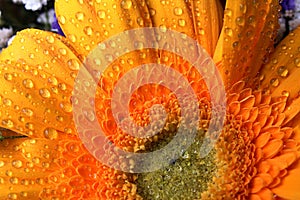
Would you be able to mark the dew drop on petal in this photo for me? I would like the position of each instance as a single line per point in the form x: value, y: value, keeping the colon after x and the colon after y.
x: 8, y: 123
x: 88, y: 30
x: 228, y: 31
x: 9, y: 173
x: 285, y: 93
x: 50, y: 133
x: 79, y: 16
x: 8, y: 76
x: 28, y: 83
x: 73, y: 64
x: 27, y: 111
x: 14, y: 180
x: 7, y: 102
x: 101, y: 14
x: 274, y: 82
x: 62, y: 19
x: 62, y: 51
x: 23, y: 194
x: 17, y: 163
x: 126, y: 4
x: 50, y: 39
x: 45, y: 93
x: 52, y: 80
x: 228, y: 12
x: 240, y: 21
x: 181, y: 22
x: 178, y: 11
x: 72, y: 38
x: 62, y: 86
x: 297, y: 62
x: 1, y: 163
x: 282, y: 71
x: 66, y: 106
x: 12, y: 196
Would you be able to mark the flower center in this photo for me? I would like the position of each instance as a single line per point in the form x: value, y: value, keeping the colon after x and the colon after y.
x: 185, y: 178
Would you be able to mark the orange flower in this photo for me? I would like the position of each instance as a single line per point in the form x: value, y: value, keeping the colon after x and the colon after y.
x: 256, y: 156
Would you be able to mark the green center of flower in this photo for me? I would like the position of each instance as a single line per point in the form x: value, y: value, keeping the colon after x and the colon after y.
x: 185, y: 178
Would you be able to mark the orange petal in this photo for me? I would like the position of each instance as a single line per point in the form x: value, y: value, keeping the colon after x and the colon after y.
x: 20, y: 177
x: 249, y: 30
x: 262, y: 139
x: 289, y: 186
x: 272, y: 148
x: 282, y: 71
x: 87, y: 23
x: 36, y: 84
x: 265, y: 194
x: 173, y: 15
x: 256, y: 184
x: 207, y: 17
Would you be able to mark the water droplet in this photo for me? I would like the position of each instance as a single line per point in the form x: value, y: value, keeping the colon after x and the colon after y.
x: 152, y: 11
x: 79, y: 16
x: 66, y: 106
x: 181, y: 22
x: 88, y: 30
x: 50, y: 133
x: 27, y: 111
x: 228, y: 31
x: 126, y: 4
x: 101, y: 14
x: 28, y: 83
x: 178, y: 11
x: 68, y: 130
x: 1, y: 163
x: 29, y: 126
x: 36, y: 160
x: 140, y: 21
x: 44, y: 92
x: 45, y: 165
x: 59, y: 118
x: 285, y: 93
x: 235, y: 44
x: 12, y: 196
x: 72, y: 38
x: 17, y: 163
x: 62, y: 51
x: 163, y: 28
x: 23, y: 194
x: 73, y: 64
x: 52, y: 80
x: 62, y: 86
x: 31, y: 55
x: 50, y: 39
x: 8, y: 123
x: 243, y: 8
x: 240, y: 21
x: 62, y: 19
x: 274, y: 82
x: 8, y: 76
x: 14, y: 180
x: 8, y: 173
x: 297, y: 62
x: 282, y: 71
x: 7, y: 102
x: 228, y: 12
x: 251, y: 19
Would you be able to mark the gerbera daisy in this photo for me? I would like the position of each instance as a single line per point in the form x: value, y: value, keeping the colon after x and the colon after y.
x: 255, y: 157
